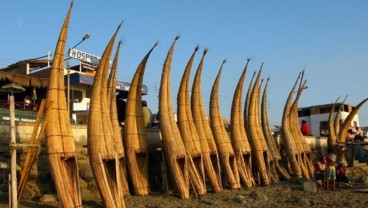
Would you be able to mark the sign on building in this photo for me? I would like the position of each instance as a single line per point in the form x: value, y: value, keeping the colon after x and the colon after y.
x: 83, y: 56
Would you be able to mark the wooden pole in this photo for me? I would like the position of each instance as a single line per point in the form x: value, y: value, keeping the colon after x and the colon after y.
x: 13, y: 154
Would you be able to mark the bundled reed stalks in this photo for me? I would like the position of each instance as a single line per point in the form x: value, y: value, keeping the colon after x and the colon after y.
x: 103, y: 154
x: 189, y: 132
x: 255, y: 135
x: 171, y: 139
x: 303, y: 148
x: 208, y: 146
x: 226, y: 151
x: 344, y: 127
x: 239, y: 137
x: 136, y: 146
x: 247, y: 99
x: 290, y: 147
x: 331, y: 140
x: 276, y: 167
x: 60, y: 143
x: 112, y: 112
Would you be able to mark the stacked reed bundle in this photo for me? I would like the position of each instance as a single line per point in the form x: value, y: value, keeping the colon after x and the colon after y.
x: 255, y: 135
x: 334, y: 127
x: 112, y: 111
x: 239, y: 137
x: 331, y: 140
x: 344, y: 127
x: 208, y: 146
x: 189, y: 132
x: 290, y: 147
x: 172, y: 142
x: 103, y: 154
x: 136, y: 146
x: 59, y: 139
x: 276, y: 167
x: 226, y: 151
x: 305, y: 164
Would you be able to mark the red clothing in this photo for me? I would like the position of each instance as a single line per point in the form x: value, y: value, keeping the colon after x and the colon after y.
x: 305, y: 129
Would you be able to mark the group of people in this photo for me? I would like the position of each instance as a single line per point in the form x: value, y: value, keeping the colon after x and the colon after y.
x: 355, y: 135
x: 330, y: 170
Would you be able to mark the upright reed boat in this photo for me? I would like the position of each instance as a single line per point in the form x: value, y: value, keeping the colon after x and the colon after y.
x: 112, y: 111
x: 260, y: 154
x: 105, y: 158
x: 189, y: 132
x: 60, y: 143
x: 290, y: 147
x: 226, y: 151
x: 172, y: 142
x: 239, y: 137
x: 136, y: 146
x: 208, y: 146
x: 341, y: 137
x: 276, y: 168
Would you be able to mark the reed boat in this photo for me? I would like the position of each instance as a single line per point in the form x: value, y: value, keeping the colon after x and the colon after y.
x: 331, y: 140
x: 290, y: 147
x: 210, y: 157
x: 189, y: 132
x: 344, y: 127
x: 226, y: 152
x: 60, y: 144
x: 239, y: 137
x: 302, y: 147
x: 255, y: 135
x: 334, y: 126
x: 111, y: 100
x: 172, y: 142
x: 276, y: 168
x: 105, y: 158
x: 136, y: 146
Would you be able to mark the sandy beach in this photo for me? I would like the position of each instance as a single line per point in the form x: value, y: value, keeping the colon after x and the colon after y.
x: 280, y: 194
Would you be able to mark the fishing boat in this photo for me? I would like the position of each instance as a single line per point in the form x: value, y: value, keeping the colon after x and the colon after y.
x: 60, y: 143
x: 136, y: 146
x: 172, y: 142
x: 104, y: 150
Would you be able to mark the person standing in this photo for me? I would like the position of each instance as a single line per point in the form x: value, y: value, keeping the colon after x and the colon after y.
x: 147, y: 114
x: 305, y: 128
x: 331, y: 170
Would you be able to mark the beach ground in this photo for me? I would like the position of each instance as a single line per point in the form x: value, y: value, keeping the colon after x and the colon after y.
x: 280, y: 194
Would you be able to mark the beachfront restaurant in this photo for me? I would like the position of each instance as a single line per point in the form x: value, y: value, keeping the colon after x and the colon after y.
x: 29, y: 79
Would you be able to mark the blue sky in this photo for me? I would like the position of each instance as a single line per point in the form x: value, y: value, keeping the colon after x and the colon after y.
x: 328, y: 38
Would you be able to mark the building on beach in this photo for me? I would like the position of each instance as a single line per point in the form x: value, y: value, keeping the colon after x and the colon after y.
x: 32, y: 74
x: 317, y: 117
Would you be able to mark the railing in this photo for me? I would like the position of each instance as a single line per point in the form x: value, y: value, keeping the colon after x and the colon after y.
x: 19, y: 105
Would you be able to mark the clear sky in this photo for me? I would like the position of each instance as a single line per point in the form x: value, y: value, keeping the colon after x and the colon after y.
x: 328, y: 38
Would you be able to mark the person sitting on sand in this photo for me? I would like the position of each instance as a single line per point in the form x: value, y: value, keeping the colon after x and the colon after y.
x: 319, y: 170
x: 340, y: 172
x: 331, y: 171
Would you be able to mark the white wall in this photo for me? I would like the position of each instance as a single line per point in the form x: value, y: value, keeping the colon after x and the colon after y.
x: 314, y: 121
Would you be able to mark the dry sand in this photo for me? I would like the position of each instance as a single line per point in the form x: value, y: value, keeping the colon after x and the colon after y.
x: 281, y: 194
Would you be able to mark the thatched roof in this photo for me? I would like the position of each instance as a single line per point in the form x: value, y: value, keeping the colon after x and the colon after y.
x: 24, y: 80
